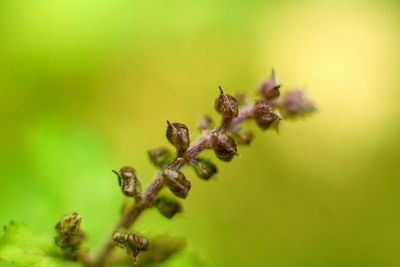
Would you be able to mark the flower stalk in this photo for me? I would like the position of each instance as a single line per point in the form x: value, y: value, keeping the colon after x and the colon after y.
x: 221, y: 139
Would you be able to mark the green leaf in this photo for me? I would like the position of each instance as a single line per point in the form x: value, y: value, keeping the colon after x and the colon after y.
x: 20, y: 244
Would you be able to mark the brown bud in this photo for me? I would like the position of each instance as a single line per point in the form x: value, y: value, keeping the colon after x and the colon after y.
x: 128, y: 181
x: 224, y: 146
x: 69, y: 234
x: 226, y: 105
x: 295, y: 104
x: 204, y: 168
x: 69, y: 224
x: 243, y: 136
x: 160, y: 156
x: 178, y: 135
x: 168, y: 206
x: 205, y: 123
x: 130, y: 242
x: 269, y: 89
x: 265, y: 116
x: 176, y: 182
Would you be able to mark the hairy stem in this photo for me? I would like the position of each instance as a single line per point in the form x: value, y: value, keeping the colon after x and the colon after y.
x: 148, y: 197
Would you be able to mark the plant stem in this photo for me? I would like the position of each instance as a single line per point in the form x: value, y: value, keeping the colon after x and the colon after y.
x: 148, y: 197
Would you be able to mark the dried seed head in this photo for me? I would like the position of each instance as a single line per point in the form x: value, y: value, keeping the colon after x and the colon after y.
x: 178, y: 135
x: 265, y: 116
x: 128, y: 181
x: 269, y: 89
x: 69, y: 234
x: 226, y: 105
x: 243, y: 136
x: 176, y: 182
x: 160, y: 156
x: 204, y: 168
x: 130, y: 242
x: 224, y: 146
x: 69, y: 224
x: 205, y: 123
x: 168, y: 206
x: 295, y: 104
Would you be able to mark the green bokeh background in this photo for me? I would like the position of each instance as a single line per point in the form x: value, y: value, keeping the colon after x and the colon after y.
x: 86, y: 86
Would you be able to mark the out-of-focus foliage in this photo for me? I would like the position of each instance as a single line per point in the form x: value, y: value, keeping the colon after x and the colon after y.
x: 19, y: 244
x: 86, y: 87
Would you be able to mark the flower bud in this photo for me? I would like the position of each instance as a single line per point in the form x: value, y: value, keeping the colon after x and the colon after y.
x: 265, y: 116
x: 128, y: 181
x: 204, y: 168
x: 69, y: 234
x: 205, y: 123
x: 178, y: 135
x: 130, y: 242
x: 168, y: 206
x: 269, y: 89
x: 160, y: 156
x: 226, y: 105
x: 295, y: 104
x: 243, y: 136
x: 176, y: 182
x: 224, y: 146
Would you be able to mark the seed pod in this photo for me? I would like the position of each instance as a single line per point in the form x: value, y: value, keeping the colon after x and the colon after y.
x: 205, y: 123
x: 128, y: 181
x: 204, y: 168
x: 168, y: 206
x: 69, y: 234
x: 265, y: 116
x: 294, y: 104
x: 269, y: 89
x: 224, y: 146
x: 178, y: 135
x: 69, y: 224
x: 176, y: 182
x: 160, y: 156
x: 243, y: 136
x: 130, y: 242
x: 226, y: 105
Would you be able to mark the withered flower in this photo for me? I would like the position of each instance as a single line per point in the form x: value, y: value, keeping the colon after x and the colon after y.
x: 294, y: 104
x: 204, y: 168
x: 265, y: 116
x: 168, y: 206
x: 176, y: 182
x: 178, y: 135
x: 226, y: 105
x: 160, y: 156
x: 224, y: 146
x: 269, y: 89
x: 128, y: 181
x: 130, y: 242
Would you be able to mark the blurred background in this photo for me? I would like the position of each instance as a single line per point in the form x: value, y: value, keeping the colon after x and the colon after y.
x: 86, y: 87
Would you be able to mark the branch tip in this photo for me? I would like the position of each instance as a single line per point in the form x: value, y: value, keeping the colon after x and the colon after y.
x: 222, y: 91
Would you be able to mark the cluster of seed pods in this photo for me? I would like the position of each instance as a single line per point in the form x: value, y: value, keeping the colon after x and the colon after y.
x: 69, y: 234
x: 222, y: 140
x: 267, y: 111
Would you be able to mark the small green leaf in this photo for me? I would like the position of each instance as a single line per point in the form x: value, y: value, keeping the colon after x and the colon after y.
x: 20, y: 244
